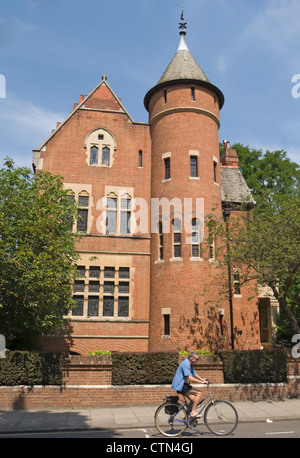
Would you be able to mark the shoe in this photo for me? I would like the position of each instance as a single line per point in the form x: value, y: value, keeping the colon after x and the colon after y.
x: 197, y: 416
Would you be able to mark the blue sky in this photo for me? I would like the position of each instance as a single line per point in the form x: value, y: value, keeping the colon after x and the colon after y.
x: 51, y: 51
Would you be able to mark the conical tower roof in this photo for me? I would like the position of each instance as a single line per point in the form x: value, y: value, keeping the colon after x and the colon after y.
x: 183, y: 68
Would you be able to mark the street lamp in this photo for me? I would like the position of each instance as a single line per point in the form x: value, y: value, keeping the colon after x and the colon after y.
x: 226, y: 214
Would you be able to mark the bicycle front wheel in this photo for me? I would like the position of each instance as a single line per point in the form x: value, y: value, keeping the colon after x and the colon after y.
x: 171, y: 420
x: 221, y: 418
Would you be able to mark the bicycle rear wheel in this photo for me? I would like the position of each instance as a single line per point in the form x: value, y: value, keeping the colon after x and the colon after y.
x: 171, y: 424
x: 221, y: 418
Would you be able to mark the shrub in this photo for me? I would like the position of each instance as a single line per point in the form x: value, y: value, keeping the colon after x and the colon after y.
x: 143, y: 368
x: 99, y: 353
x: 255, y: 366
x: 26, y: 368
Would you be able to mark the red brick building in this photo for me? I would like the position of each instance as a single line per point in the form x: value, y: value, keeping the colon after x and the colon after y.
x: 149, y: 277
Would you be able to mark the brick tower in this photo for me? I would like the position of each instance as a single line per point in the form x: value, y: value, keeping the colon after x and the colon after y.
x: 184, y: 116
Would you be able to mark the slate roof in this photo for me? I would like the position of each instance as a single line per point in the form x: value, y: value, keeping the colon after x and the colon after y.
x: 183, y: 66
x: 234, y: 188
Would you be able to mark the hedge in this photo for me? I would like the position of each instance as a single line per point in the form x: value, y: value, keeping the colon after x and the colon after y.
x: 143, y: 368
x: 27, y: 368
x: 131, y: 368
x: 254, y: 366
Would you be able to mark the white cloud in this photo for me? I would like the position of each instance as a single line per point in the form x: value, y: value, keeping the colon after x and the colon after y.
x: 24, y: 126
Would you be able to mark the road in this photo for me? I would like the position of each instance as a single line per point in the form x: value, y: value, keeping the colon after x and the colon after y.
x: 276, y: 429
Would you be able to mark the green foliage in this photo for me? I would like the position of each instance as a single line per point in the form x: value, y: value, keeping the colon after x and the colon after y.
x: 254, y: 366
x: 37, y: 255
x: 267, y: 248
x: 199, y: 352
x: 205, y: 352
x: 99, y: 353
x: 25, y: 368
x: 266, y: 245
x: 143, y: 368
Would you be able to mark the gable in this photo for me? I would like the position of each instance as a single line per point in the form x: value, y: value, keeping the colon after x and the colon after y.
x: 102, y: 98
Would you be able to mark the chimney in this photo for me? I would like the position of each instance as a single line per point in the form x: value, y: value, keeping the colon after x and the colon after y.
x: 229, y: 158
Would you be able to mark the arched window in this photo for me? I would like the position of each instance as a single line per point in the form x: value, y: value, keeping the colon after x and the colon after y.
x: 105, y: 156
x: 100, y: 146
x: 177, y: 238
x: 94, y: 155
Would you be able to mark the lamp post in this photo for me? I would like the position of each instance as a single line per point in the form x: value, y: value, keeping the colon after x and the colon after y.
x: 226, y: 214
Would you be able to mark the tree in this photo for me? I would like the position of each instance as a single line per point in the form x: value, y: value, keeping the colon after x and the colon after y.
x: 268, y: 174
x: 267, y: 242
x: 37, y: 254
x: 268, y: 245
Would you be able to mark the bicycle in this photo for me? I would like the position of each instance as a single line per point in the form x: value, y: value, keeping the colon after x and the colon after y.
x: 172, y: 418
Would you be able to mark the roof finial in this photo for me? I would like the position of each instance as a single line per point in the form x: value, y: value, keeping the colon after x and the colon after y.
x: 182, y: 25
x: 182, y: 33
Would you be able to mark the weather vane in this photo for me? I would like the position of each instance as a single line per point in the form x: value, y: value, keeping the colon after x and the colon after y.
x: 182, y: 24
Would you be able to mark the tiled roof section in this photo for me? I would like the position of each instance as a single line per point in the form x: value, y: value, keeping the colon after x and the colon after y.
x: 183, y: 66
x: 234, y: 187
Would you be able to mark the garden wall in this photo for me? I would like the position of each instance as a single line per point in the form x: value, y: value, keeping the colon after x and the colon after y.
x: 87, y: 383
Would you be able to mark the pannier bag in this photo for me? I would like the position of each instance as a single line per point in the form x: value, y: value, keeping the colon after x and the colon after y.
x: 171, y: 410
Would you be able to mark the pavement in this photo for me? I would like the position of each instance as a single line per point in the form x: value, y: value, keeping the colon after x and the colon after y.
x: 133, y: 416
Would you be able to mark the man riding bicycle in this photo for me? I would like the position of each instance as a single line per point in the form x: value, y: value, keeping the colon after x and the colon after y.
x: 185, y: 375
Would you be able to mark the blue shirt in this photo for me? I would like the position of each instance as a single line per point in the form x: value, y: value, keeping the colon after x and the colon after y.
x: 184, y: 370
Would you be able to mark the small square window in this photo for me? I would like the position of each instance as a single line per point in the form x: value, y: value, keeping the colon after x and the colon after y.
x: 124, y: 272
x: 124, y: 287
x: 78, y: 286
x: 109, y: 287
x: 81, y: 271
x: 109, y: 272
x: 94, y: 287
x: 94, y: 272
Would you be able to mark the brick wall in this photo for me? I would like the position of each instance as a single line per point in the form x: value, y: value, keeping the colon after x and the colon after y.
x: 47, y: 397
x: 87, y: 383
x: 88, y: 370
